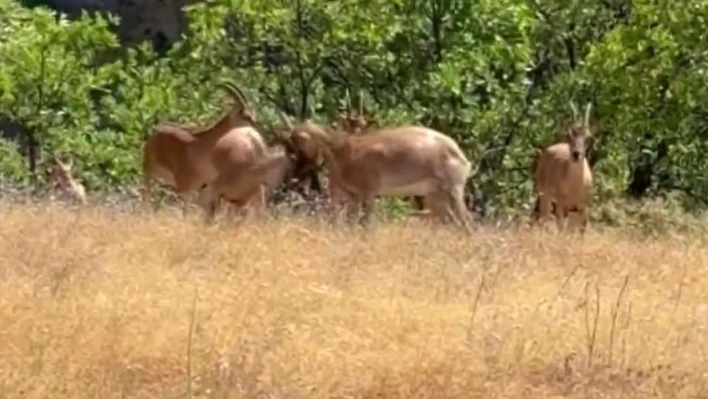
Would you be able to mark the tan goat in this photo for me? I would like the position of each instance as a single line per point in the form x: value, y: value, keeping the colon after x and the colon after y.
x: 356, y: 124
x: 187, y: 161
x: 62, y: 179
x: 562, y: 178
x: 400, y: 161
x: 238, y: 185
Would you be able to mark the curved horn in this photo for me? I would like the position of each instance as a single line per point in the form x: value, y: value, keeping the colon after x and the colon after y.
x: 285, y: 119
x: 348, y: 101
x: 243, y: 96
x: 587, y: 113
x: 234, y: 91
x: 575, y: 111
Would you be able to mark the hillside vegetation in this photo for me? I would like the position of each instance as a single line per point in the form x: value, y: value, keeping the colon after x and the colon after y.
x: 497, y: 75
x: 107, y: 303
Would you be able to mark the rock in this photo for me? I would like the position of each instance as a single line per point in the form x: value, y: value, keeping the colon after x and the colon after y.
x: 160, y: 21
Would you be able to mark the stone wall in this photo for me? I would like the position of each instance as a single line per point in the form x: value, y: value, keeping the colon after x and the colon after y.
x: 161, y: 21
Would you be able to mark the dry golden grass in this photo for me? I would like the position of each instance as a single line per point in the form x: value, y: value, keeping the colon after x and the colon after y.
x: 98, y: 303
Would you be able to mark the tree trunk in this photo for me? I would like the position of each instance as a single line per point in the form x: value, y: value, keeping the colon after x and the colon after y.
x: 32, y: 155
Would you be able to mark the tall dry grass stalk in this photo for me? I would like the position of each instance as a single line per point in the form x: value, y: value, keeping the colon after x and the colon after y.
x: 101, y: 303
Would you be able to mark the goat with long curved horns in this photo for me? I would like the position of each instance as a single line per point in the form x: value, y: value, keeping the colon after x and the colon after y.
x: 562, y: 178
x: 188, y: 161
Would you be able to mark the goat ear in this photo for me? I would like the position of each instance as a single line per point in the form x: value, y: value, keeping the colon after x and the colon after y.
x: 60, y: 163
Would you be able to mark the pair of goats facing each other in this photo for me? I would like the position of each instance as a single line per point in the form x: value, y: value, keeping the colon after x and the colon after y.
x: 387, y: 162
x: 284, y: 159
x: 562, y: 178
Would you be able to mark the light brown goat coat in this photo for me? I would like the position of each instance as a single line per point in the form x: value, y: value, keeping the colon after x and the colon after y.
x: 562, y: 183
x: 238, y: 185
x: 563, y: 180
x: 395, y: 162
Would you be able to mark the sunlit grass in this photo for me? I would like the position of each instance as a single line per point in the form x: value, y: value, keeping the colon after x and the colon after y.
x: 99, y: 303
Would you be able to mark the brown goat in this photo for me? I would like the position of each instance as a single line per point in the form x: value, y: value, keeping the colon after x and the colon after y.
x: 187, y: 161
x: 562, y: 178
x: 62, y: 179
x: 401, y: 161
x: 357, y: 124
x: 238, y: 185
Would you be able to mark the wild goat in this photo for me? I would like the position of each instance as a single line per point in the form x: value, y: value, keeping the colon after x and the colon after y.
x: 401, y: 161
x: 187, y: 161
x: 61, y: 178
x: 562, y: 178
x: 356, y: 124
x: 238, y: 185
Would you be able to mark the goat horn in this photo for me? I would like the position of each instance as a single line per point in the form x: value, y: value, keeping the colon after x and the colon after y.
x: 285, y: 119
x: 575, y: 111
x: 235, y: 92
x: 347, y: 101
x: 587, y: 113
x: 243, y: 96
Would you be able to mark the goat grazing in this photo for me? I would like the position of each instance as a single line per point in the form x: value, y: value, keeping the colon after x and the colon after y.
x: 562, y: 178
x: 61, y: 179
x: 400, y: 161
x: 187, y: 161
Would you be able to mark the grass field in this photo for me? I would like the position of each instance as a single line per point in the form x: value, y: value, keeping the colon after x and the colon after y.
x: 101, y: 303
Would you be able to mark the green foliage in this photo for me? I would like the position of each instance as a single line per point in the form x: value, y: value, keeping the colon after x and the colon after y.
x: 12, y: 168
x: 497, y: 75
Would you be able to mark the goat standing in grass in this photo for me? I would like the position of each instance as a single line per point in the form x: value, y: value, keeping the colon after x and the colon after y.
x: 562, y: 178
x: 61, y: 179
x: 238, y: 185
x: 400, y: 161
x: 187, y: 161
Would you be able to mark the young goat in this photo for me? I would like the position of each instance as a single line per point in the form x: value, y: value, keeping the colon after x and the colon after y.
x: 401, y: 161
x: 562, y: 178
x: 187, y: 161
x: 61, y: 179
